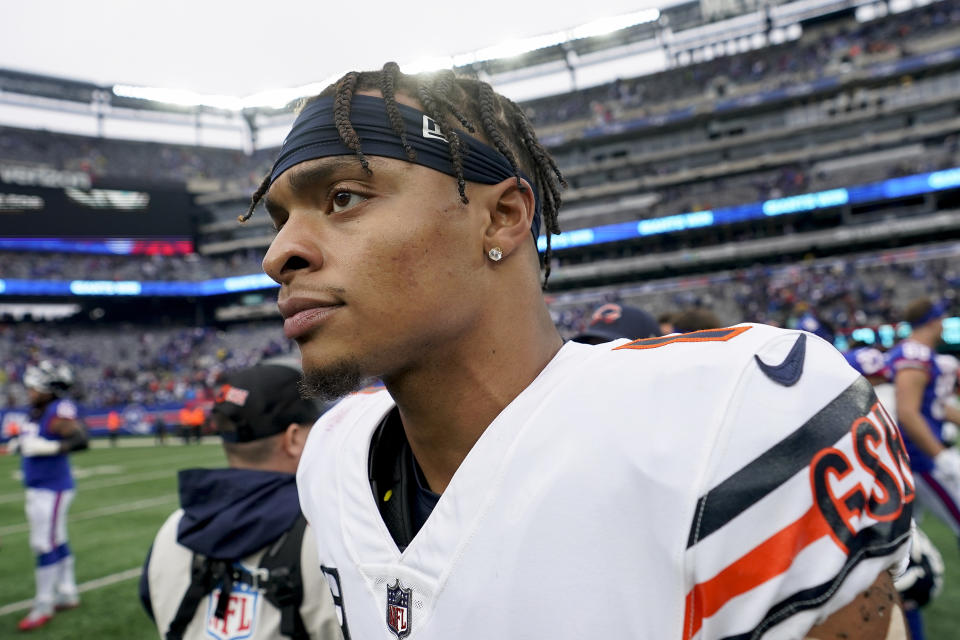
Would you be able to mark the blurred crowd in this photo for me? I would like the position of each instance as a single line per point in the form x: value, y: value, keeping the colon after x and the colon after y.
x: 70, y: 266
x: 844, y: 292
x: 118, y: 365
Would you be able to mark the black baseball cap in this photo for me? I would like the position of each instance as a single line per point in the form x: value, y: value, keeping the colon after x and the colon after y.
x: 613, y: 321
x: 261, y: 401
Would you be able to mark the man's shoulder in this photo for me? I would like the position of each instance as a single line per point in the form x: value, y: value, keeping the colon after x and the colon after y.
x: 165, y: 541
x: 720, y: 354
x: 361, y: 411
x: 169, y: 526
x: 911, y: 354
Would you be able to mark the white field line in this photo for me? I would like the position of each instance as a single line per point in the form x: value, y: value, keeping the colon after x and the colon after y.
x: 98, y: 513
x: 105, y: 581
x: 101, y: 484
x: 107, y: 470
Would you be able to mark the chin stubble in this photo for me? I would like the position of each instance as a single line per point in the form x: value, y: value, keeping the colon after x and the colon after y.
x: 333, y: 382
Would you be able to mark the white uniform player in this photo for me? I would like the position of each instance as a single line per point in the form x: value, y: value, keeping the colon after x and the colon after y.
x: 732, y: 483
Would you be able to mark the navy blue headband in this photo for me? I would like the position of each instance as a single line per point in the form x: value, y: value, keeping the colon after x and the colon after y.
x: 938, y: 310
x: 314, y: 135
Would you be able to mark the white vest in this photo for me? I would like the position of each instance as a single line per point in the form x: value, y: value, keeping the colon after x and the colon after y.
x: 604, y: 501
x: 249, y: 615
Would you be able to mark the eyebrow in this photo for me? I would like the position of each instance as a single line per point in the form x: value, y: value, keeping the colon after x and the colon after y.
x: 308, y: 178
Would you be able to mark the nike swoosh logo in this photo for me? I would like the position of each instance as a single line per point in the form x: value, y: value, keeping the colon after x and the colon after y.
x: 789, y: 371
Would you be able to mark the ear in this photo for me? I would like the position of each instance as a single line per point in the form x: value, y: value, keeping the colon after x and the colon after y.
x: 295, y: 439
x: 511, y: 208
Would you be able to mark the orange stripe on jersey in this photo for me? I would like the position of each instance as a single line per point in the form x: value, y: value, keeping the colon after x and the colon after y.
x: 374, y: 388
x: 767, y: 560
x: 704, y: 335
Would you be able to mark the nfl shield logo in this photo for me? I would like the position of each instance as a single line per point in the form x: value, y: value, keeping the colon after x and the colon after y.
x: 398, y: 610
x: 240, y: 619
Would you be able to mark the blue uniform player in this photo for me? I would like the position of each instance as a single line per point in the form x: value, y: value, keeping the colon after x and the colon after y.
x: 923, y: 579
x: 870, y: 362
x: 921, y: 414
x: 918, y: 385
x: 53, y: 431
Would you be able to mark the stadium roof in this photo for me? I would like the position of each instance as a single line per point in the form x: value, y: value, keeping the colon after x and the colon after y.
x: 238, y: 48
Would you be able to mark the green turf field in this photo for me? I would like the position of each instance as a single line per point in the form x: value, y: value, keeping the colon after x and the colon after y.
x: 123, y: 496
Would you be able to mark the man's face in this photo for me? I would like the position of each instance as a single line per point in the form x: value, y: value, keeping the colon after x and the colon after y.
x: 38, y: 398
x: 378, y: 272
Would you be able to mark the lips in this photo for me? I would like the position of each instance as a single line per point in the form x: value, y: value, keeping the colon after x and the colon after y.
x: 300, y: 316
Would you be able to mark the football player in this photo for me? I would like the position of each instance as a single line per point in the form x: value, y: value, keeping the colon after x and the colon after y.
x: 947, y: 393
x: 53, y: 431
x: 921, y: 413
x: 869, y: 362
x: 731, y: 483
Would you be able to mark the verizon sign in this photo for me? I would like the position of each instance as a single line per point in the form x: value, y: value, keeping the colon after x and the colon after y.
x: 43, y: 177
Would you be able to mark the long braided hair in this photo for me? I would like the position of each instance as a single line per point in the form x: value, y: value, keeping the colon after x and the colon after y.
x: 452, y: 102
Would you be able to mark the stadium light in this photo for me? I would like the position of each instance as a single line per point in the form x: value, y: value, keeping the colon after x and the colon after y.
x: 603, y: 26
x: 180, y: 97
x: 279, y: 98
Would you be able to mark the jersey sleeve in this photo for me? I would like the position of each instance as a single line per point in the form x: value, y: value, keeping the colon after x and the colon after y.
x: 868, y: 361
x: 807, y: 498
x: 66, y: 410
x: 911, y: 355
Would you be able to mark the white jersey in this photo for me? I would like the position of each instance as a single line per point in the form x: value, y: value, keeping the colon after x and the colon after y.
x: 945, y: 386
x: 248, y: 615
x: 667, y: 488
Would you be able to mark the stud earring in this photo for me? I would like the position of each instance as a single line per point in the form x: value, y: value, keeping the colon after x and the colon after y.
x: 495, y: 254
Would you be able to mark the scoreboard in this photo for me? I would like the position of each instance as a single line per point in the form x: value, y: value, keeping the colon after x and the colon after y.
x: 40, y: 202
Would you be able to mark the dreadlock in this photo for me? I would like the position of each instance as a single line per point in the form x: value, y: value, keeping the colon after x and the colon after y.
x: 451, y: 101
x: 388, y: 87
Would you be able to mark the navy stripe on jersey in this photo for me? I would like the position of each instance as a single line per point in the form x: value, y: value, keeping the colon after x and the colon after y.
x: 781, y: 462
x: 879, y: 540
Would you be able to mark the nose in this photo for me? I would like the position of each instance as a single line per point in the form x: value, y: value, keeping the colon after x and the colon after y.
x: 292, y: 251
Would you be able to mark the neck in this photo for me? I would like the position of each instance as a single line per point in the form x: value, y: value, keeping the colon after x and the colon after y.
x: 449, y: 397
x: 928, y: 338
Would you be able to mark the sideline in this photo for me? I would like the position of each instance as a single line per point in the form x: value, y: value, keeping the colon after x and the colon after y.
x: 105, y: 581
x: 142, y: 442
x: 102, y: 511
x: 84, y: 485
x: 88, y: 478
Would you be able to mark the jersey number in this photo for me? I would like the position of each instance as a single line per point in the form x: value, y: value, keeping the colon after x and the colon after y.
x: 333, y: 580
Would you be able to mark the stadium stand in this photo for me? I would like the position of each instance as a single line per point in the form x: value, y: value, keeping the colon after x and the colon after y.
x: 189, y: 267
x: 811, y: 156
x: 122, y: 364
x: 850, y: 291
